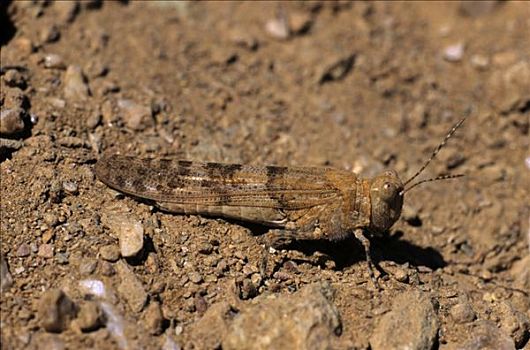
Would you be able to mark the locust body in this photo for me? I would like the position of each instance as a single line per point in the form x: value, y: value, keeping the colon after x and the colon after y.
x: 316, y: 203
x: 297, y: 202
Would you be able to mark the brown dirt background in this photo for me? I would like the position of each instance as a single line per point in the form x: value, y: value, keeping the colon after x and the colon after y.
x: 221, y: 88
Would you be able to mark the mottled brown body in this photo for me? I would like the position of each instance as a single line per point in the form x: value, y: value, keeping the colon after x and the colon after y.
x: 313, y: 202
x: 299, y: 202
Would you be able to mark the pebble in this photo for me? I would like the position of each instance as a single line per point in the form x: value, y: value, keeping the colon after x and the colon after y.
x: 70, y: 187
x: 46, y: 251
x: 306, y: 319
x: 93, y: 120
x: 129, y: 231
x: 454, y: 53
x: 514, y: 323
x: 6, y: 281
x: 110, y: 252
x: 480, y: 62
x: 89, y: 317
x: 55, y: 310
x: 130, y: 288
x: 135, y: 115
x: 87, y: 266
x: 412, y: 322
x: 75, y: 87
x: 11, y: 121
x: 462, y: 313
x: 93, y: 287
x: 278, y: 28
x: 54, y: 61
x: 50, y: 219
x: 15, y: 78
x: 153, y: 318
x: 300, y: 22
x: 50, y: 34
x: 485, y: 335
x: 335, y: 68
x: 23, y: 250
x: 24, y: 46
x: 195, y: 277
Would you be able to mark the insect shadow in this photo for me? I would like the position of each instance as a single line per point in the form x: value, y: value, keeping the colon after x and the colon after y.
x: 349, y: 251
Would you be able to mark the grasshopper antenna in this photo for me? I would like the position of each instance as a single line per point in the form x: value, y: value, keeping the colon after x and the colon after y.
x: 434, y: 153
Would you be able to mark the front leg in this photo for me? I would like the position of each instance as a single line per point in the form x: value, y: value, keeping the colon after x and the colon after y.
x: 358, y: 233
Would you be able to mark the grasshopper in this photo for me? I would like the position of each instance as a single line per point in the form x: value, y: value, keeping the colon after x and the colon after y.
x: 300, y: 203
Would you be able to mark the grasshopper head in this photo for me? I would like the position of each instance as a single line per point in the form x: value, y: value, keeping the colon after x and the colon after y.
x: 386, y: 196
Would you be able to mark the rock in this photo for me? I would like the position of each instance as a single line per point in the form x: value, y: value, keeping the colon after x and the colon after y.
x: 135, y: 116
x: 129, y: 231
x: 15, y: 78
x: 306, y: 319
x: 23, y: 250
x: 11, y: 121
x: 110, y: 252
x: 46, y: 251
x: 480, y: 62
x: 54, y: 61
x: 75, y: 86
x: 89, y: 317
x: 412, y: 322
x: 50, y: 34
x: 300, y: 22
x: 93, y: 288
x: 336, y: 68
x: 130, y: 288
x: 514, y: 323
x: 55, y: 311
x: 507, y: 88
x: 153, y: 318
x: 206, y: 333
x: 70, y: 187
x: 6, y: 281
x: 462, y: 313
x: 485, y: 336
x: 195, y: 277
x: 454, y: 53
x: 24, y: 46
x: 87, y: 266
x: 278, y: 28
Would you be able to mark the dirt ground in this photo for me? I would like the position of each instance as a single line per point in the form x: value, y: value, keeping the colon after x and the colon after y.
x: 359, y: 86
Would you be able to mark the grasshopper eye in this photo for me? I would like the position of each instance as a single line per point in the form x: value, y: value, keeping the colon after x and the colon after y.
x: 388, y: 191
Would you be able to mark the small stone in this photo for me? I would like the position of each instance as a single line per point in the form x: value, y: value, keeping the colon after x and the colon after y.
x: 205, y: 248
x: 485, y: 335
x: 55, y: 311
x: 129, y: 231
x: 107, y: 269
x: 130, y: 288
x: 306, y: 319
x: 335, y: 68
x: 75, y: 86
x: 50, y: 219
x: 515, y: 323
x: 6, y: 281
x: 54, y: 61
x: 412, y: 322
x: 480, y: 62
x: 300, y: 22
x: 24, y: 46
x: 89, y: 317
x: 135, y: 116
x: 153, y: 318
x: 195, y: 277
x: 46, y: 251
x: 462, y: 313
x: 48, y: 236
x: 454, y: 53
x: 50, y: 34
x: 11, y: 121
x: 62, y: 258
x: 70, y: 187
x: 15, y: 78
x: 23, y: 250
x: 110, y: 252
x: 278, y: 28
x: 401, y: 275
x: 87, y: 266
x: 93, y: 120
x: 93, y: 288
